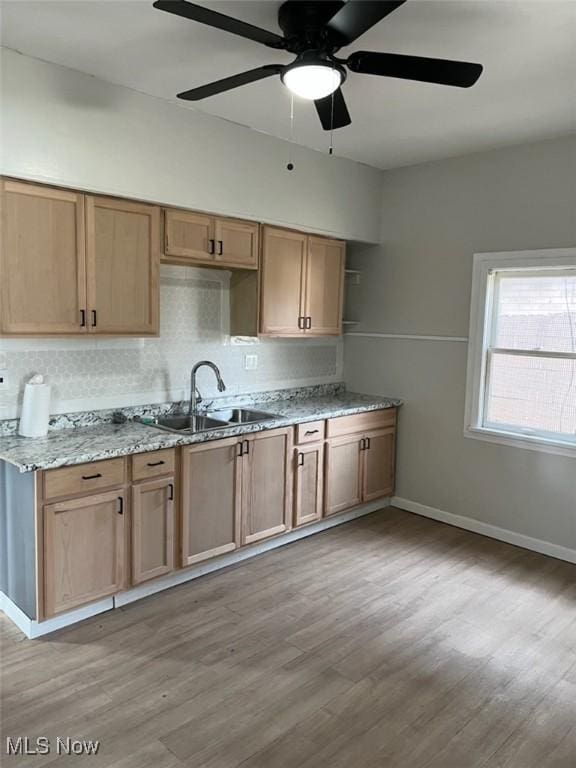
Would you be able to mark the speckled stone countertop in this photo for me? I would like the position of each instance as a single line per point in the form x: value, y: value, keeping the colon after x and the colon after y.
x: 104, y: 441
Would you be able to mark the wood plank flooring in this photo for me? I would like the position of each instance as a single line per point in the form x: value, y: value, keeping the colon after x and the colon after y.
x: 389, y: 642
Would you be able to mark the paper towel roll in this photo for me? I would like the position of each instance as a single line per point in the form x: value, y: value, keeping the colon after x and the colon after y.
x: 35, y: 408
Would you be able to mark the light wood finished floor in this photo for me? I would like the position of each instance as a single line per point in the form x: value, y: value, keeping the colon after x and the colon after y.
x: 389, y: 642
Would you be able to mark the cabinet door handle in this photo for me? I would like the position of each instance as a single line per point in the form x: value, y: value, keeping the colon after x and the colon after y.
x: 121, y: 507
x: 308, y: 323
x: 300, y: 459
x: 301, y: 323
x: 247, y: 443
x: 211, y: 244
x: 362, y: 444
x: 94, y: 318
x: 220, y: 247
x: 155, y: 463
x: 367, y: 443
x: 92, y: 477
x: 241, y: 450
x: 171, y: 487
x: 311, y: 432
x: 82, y: 318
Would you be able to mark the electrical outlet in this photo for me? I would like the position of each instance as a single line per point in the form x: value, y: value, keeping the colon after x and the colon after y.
x: 250, y: 362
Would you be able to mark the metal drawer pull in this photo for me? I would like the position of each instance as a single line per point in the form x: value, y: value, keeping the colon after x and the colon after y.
x: 300, y: 459
x: 171, y: 497
x: 311, y: 431
x: 121, y: 510
x: 91, y: 477
x: 155, y: 463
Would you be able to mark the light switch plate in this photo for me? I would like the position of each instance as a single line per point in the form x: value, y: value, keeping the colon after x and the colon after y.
x: 250, y: 362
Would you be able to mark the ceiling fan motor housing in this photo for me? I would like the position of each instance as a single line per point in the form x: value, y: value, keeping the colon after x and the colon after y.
x: 304, y: 25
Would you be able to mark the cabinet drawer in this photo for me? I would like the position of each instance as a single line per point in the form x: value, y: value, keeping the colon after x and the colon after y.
x: 310, y: 432
x: 359, y: 422
x: 84, y: 478
x: 153, y: 464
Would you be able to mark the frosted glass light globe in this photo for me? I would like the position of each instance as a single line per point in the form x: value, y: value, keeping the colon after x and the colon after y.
x: 312, y: 81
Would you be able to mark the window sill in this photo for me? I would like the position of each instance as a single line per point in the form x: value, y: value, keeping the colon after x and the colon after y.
x: 521, y: 441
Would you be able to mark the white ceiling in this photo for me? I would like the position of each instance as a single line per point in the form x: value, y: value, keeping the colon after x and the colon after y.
x: 527, y: 91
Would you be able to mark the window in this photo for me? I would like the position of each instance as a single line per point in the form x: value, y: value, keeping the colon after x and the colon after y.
x: 521, y: 386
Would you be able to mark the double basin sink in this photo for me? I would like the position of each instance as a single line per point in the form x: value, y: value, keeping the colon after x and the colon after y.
x: 219, y: 419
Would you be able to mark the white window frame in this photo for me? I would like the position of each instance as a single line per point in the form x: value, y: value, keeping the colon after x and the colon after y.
x: 481, y: 316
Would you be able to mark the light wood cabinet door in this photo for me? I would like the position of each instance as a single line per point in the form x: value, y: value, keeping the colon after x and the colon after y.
x: 266, y: 488
x: 123, y: 262
x: 152, y: 529
x: 210, y: 500
x: 343, y: 474
x: 189, y: 236
x: 42, y: 261
x: 308, y: 483
x: 84, y: 550
x: 282, y: 283
x: 236, y: 243
x: 379, y: 460
x: 324, y: 286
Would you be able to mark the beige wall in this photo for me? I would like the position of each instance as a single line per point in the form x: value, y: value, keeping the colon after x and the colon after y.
x: 64, y: 127
x: 434, y: 218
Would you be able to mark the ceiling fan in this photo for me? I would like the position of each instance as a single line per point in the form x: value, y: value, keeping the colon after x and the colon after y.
x: 315, y: 30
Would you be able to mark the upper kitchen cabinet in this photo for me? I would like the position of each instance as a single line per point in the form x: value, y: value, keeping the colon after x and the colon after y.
x: 324, y: 286
x: 42, y: 261
x: 196, y: 238
x: 75, y: 264
x: 301, y: 288
x: 123, y: 260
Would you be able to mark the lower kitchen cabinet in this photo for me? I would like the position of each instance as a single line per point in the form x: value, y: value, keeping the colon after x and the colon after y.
x: 343, y: 474
x: 379, y: 454
x: 308, y: 483
x: 211, y: 491
x: 359, y: 468
x: 266, y: 487
x: 152, y: 529
x: 84, y: 550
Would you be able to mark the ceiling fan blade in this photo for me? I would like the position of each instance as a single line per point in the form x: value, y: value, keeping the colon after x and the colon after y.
x: 333, y: 113
x: 462, y: 74
x: 220, y: 21
x: 228, y: 83
x: 358, y: 16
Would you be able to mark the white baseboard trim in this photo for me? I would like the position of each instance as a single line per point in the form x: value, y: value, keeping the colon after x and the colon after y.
x: 33, y: 629
x: 485, y: 529
x: 194, y: 572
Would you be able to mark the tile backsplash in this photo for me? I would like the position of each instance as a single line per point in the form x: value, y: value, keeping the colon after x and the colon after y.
x: 89, y: 373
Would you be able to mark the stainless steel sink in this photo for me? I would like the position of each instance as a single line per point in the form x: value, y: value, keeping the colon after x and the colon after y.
x: 179, y: 422
x: 183, y: 423
x: 241, y: 415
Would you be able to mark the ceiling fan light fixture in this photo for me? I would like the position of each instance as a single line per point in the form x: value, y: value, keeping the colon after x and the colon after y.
x: 312, y: 81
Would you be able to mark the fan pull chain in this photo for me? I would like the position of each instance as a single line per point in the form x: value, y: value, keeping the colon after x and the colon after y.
x: 331, y: 147
x: 290, y: 165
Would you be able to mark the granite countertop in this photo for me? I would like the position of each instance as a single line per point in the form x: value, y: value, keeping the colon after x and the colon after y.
x: 65, y: 447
